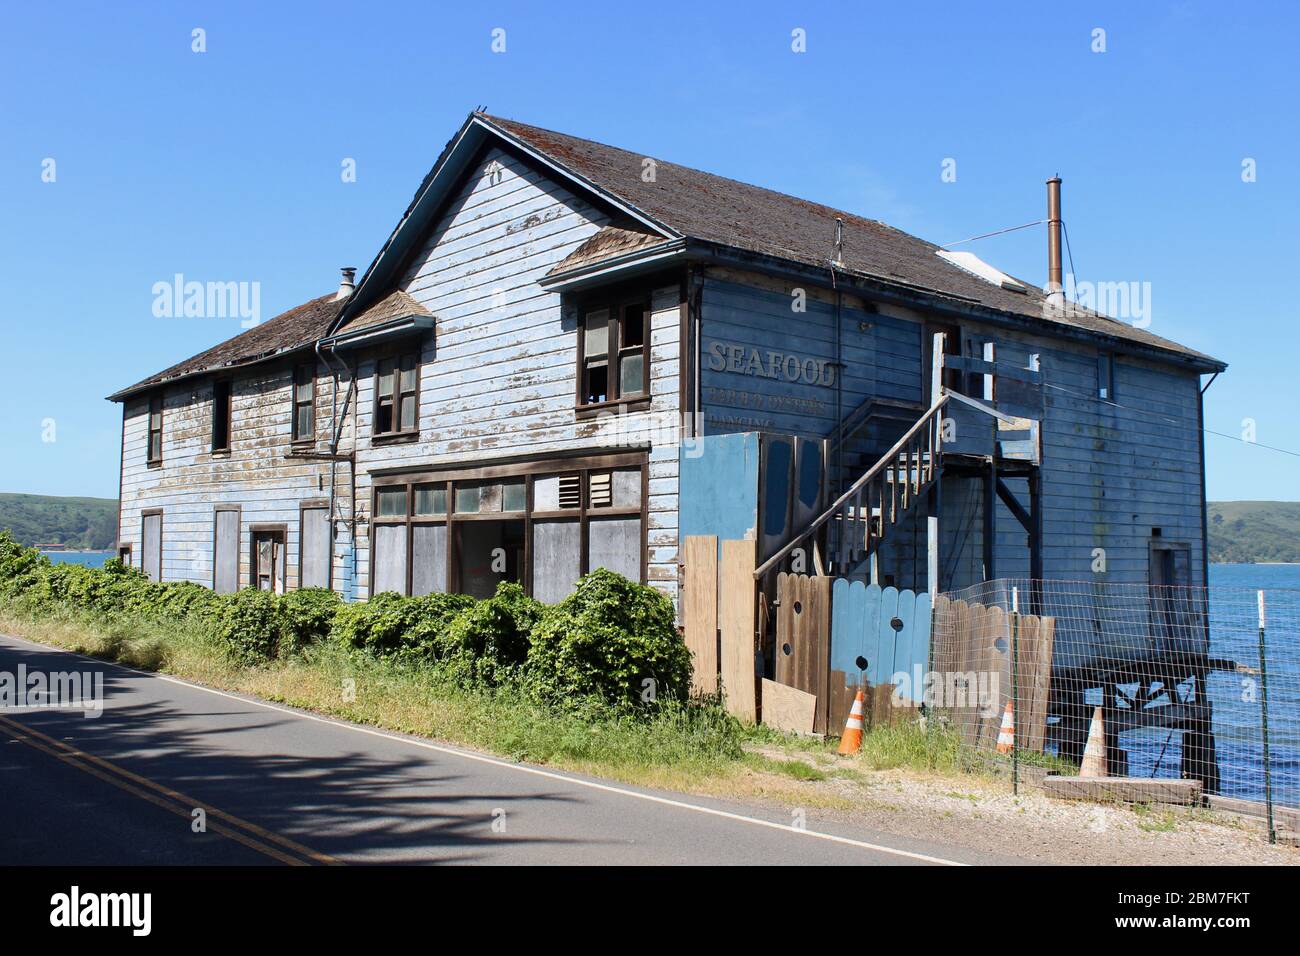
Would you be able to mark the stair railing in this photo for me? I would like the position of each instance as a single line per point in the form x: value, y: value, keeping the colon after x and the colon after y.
x: 903, y: 473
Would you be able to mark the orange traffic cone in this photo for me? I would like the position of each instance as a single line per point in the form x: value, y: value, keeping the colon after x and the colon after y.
x: 851, y: 740
x: 1007, y: 732
x: 1094, y: 752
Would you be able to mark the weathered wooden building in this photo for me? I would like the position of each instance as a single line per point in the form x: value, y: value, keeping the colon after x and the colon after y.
x: 568, y: 355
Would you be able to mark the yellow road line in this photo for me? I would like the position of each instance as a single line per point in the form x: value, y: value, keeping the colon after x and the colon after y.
x: 168, y: 799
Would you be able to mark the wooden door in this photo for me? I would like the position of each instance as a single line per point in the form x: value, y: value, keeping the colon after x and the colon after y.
x: 268, y: 561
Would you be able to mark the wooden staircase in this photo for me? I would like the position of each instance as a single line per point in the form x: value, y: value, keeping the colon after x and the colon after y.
x: 860, y: 519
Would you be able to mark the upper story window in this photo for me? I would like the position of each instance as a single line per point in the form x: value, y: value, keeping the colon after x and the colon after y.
x: 614, y: 349
x: 397, y: 398
x: 1106, y: 376
x: 155, y: 430
x: 304, y: 403
x: 221, y: 414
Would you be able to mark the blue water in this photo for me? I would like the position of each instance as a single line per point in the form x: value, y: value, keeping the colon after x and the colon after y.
x: 1236, y: 697
x: 91, y: 559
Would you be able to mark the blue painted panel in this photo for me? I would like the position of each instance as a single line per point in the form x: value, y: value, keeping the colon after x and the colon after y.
x: 904, y: 639
x: 881, y: 667
x: 719, y: 486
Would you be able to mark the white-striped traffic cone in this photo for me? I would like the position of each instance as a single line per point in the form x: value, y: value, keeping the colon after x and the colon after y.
x: 851, y: 740
x: 1007, y: 732
x: 1094, y: 752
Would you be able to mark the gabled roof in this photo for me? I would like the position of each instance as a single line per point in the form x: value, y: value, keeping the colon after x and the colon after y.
x: 675, y: 207
x: 397, y: 305
x: 287, y: 332
x: 702, y: 206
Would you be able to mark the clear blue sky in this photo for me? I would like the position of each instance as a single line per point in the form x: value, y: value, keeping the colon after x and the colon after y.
x: 225, y: 165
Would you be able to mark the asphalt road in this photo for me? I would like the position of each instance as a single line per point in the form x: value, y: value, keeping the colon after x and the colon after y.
x: 284, y: 787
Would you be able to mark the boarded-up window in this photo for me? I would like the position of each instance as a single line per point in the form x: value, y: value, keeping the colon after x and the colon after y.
x: 225, y: 551
x: 557, y: 559
x: 615, y: 543
x: 314, y: 541
x: 390, y: 558
x: 151, y: 546
x: 428, y: 559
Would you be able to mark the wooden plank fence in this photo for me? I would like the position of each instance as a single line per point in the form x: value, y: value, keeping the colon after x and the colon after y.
x: 973, y: 647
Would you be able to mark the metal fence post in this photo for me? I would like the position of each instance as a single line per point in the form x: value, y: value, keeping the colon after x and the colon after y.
x: 1015, y: 692
x: 1263, y: 707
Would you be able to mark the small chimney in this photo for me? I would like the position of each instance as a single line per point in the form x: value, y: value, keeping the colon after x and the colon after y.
x: 1055, y: 290
x: 349, y: 283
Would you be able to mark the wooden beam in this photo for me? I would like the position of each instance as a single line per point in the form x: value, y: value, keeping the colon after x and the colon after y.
x: 1014, y: 506
x: 700, y: 600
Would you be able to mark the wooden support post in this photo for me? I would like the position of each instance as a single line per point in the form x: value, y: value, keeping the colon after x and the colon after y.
x: 739, y: 622
x: 990, y: 519
x: 1036, y: 540
x: 932, y: 537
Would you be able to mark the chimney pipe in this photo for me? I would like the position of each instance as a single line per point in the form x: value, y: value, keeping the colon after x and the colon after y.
x: 1054, y: 279
x: 349, y: 283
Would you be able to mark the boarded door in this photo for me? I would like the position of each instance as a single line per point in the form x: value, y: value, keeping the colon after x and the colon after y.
x: 268, y: 561
x: 314, y: 542
x: 803, y: 630
x: 151, y: 546
x: 225, y: 574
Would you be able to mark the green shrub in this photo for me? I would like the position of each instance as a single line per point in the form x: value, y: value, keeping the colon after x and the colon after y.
x: 250, y: 624
x: 21, y: 568
x: 607, y: 640
x: 392, y: 626
x: 309, y: 616
x: 487, y: 643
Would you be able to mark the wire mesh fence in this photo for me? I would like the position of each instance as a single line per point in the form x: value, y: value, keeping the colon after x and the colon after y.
x: 1124, y: 680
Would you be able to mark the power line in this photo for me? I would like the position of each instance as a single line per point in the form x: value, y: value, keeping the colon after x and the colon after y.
x: 1000, y: 232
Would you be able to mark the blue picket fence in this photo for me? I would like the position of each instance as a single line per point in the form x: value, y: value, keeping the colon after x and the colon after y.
x: 879, y: 632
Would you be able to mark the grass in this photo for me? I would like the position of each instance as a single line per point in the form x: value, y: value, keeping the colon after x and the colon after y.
x: 696, y: 747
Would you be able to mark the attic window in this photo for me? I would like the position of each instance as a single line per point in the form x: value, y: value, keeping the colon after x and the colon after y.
x: 221, y: 408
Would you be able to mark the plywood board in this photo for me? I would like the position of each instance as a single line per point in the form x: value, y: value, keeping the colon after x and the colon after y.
x: 738, y: 619
x: 700, y: 600
x: 788, y: 708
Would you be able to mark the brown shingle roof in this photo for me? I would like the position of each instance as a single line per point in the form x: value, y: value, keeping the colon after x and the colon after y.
x: 396, y: 305
x: 299, y: 327
x: 611, y: 241
x: 703, y: 206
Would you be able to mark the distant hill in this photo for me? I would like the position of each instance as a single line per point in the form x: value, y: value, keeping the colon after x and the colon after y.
x: 1251, y: 532
x: 82, y: 523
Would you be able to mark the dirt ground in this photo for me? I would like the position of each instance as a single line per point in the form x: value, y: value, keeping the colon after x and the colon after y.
x: 982, y: 813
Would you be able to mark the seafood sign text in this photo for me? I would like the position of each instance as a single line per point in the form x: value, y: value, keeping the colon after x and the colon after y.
x: 765, y: 363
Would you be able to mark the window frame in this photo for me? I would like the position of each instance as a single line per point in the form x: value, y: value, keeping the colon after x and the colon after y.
x: 295, y: 436
x: 155, y: 408
x: 583, y: 514
x: 217, y: 416
x: 1106, y: 376
x: 398, y: 358
x: 618, y: 301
